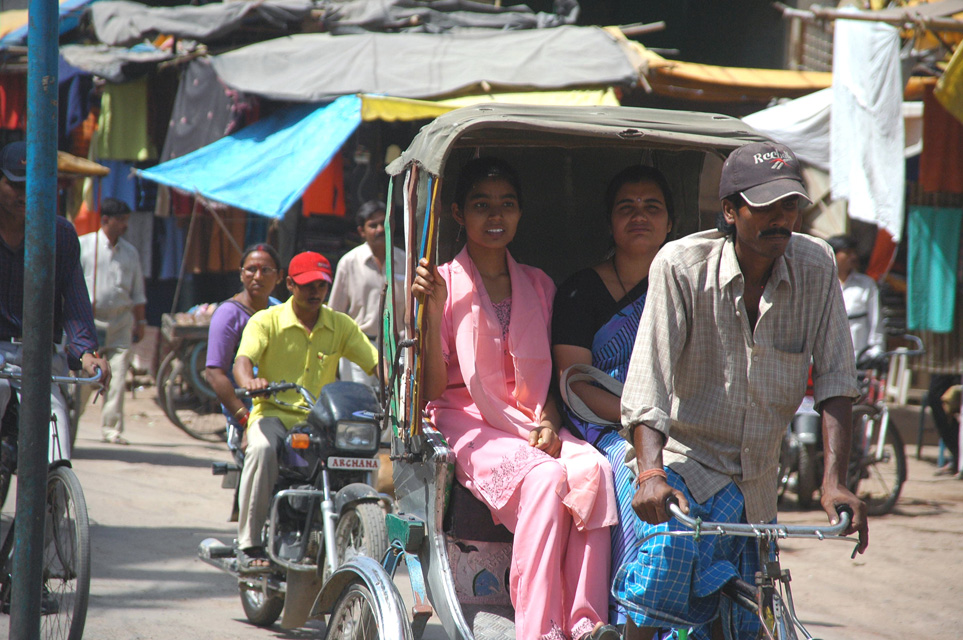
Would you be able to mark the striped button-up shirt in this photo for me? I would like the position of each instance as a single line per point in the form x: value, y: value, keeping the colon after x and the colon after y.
x: 722, y: 391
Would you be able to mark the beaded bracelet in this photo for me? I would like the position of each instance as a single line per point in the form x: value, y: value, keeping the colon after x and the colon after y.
x: 650, y: 473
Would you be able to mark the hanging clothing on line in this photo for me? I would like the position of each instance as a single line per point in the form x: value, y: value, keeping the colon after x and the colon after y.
x: 122, y: 129
x: 866, y: 129
x: 941, y: 161
x: 13, y: 101
x: 934, y: 249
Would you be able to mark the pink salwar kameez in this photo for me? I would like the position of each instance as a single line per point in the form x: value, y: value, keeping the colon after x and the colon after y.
x: 558, y: 508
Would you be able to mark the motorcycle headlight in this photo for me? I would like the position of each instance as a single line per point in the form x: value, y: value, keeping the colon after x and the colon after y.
x: 357, y: 436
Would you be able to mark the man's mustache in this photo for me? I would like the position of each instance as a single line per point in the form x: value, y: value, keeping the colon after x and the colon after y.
x: 776, y: 232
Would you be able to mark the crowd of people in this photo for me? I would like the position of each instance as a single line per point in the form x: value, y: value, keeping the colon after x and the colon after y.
x: 700, y: 350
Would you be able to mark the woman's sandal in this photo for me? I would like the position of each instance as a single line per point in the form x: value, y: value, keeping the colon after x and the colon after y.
x: 252, y: 560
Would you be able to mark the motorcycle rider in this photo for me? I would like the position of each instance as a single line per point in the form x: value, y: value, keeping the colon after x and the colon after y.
x: 299, y: 341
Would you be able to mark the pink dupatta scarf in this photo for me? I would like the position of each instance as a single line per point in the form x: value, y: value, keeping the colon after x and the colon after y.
x: 589, y: 490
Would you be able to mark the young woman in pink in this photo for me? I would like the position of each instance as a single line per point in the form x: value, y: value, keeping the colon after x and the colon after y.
x: 487, y: 368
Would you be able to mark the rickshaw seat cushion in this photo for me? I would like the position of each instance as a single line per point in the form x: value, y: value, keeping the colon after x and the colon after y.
x: 468, y: 518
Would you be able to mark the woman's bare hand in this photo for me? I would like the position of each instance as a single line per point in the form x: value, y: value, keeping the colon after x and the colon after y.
x: 546, y: 439
x: 429, y: 285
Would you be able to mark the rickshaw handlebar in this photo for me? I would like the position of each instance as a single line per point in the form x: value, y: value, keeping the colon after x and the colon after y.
x: 762, y: 530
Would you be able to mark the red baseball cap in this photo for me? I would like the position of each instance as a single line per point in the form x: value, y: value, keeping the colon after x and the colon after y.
x: 309, y: 266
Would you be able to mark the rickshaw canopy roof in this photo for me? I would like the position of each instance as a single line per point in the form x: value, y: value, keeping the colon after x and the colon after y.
x: 524, y: 125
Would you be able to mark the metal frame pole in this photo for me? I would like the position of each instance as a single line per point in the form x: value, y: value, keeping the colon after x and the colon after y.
x: 39, y: 265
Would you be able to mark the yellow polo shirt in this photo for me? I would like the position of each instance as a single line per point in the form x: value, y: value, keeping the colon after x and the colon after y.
x: 282, y: 349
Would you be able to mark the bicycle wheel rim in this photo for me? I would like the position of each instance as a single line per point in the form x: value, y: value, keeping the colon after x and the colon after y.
x: 197, y: 415
x: 882, y: 473
x: 66, y: 558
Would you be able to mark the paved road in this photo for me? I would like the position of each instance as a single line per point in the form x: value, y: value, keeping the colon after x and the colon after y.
x: 151, y: 503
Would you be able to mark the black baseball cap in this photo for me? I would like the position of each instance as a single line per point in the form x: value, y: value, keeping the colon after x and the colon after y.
x: 13, y: 161
x: 762, y: 173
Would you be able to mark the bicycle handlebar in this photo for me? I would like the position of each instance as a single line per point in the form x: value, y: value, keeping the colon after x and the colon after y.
x: 901, y: 351
x: 761, y: 530
x: 16, y: 375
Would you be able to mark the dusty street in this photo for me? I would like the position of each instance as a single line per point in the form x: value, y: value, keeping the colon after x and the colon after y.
x: 152, y: 502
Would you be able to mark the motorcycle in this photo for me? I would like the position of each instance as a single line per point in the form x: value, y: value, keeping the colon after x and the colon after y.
x: 800, y: 460
x: 324, y: 511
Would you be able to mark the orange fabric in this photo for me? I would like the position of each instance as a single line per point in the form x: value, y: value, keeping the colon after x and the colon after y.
x: 82, y: 134
x: 13, y: 101
x: 941, y: 162
x: 881, y: 259
x: 325, y: 196
x: 86, y: 221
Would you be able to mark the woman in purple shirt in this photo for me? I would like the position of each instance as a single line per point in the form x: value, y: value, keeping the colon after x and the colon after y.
x: 260, y: 274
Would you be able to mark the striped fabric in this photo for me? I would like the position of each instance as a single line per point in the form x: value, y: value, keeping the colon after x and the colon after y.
x: 625, y: 539
x: 674, y: 582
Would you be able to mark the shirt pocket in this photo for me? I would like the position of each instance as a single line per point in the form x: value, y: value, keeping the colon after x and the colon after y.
x: 790, y: 377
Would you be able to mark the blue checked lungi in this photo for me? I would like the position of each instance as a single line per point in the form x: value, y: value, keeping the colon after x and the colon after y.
x: 674, y: 582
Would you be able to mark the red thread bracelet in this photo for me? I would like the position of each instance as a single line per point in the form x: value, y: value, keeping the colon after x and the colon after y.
x: 650, y: 473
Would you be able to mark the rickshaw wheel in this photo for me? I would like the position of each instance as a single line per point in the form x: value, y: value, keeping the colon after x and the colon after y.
x: 262, y: 610
x: 354, y: 616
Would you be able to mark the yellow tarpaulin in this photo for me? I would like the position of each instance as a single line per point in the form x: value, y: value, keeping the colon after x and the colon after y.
x: 949, y: 88
x: 10, y: 20
x: 390, y: 109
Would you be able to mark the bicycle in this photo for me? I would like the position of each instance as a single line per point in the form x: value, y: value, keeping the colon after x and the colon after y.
x: 66, y: 556
x: 770, y: 599
x: 182, y: 388
x: 877, y: 468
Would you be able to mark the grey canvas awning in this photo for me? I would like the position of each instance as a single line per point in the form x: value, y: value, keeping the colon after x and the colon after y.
x: 321, y: 67
x: 125, y: 23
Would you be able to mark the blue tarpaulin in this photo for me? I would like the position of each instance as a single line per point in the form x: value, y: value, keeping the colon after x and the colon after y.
x: 264, y: 168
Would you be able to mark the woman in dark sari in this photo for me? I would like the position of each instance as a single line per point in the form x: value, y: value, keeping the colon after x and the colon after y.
x: 596, y: 317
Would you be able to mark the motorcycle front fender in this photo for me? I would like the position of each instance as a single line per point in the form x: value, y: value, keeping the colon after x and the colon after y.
x: 357, y: 492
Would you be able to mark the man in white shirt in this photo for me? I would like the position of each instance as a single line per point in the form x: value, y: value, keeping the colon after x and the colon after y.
x: 861, y: 298
x: 116, y: 285
x: 359, y: 280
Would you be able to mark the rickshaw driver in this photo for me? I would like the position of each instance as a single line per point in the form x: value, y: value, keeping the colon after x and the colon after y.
x: 732, y: 320
x: 302, y: 341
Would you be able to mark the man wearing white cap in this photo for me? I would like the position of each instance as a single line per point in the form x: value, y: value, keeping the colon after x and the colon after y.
x: 732, y: 320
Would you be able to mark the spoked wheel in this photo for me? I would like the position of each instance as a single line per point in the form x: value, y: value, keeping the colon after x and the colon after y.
x: 160, y: 380
x: 882, y: 470
x: 355, y: 616
x: 191, y: 406
x: 361, y: 531
x: 66, y: 558
x: 261, y: 609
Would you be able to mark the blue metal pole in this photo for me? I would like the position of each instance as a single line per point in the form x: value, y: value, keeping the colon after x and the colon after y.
x: 39, y: 262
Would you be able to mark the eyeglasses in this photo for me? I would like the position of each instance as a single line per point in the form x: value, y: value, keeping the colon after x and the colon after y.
x: 265, y: 271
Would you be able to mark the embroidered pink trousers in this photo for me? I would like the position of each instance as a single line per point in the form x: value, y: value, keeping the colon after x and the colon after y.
x: 560, y: 575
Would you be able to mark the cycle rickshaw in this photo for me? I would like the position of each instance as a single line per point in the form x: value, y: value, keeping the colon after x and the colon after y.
x: 457, y: 559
